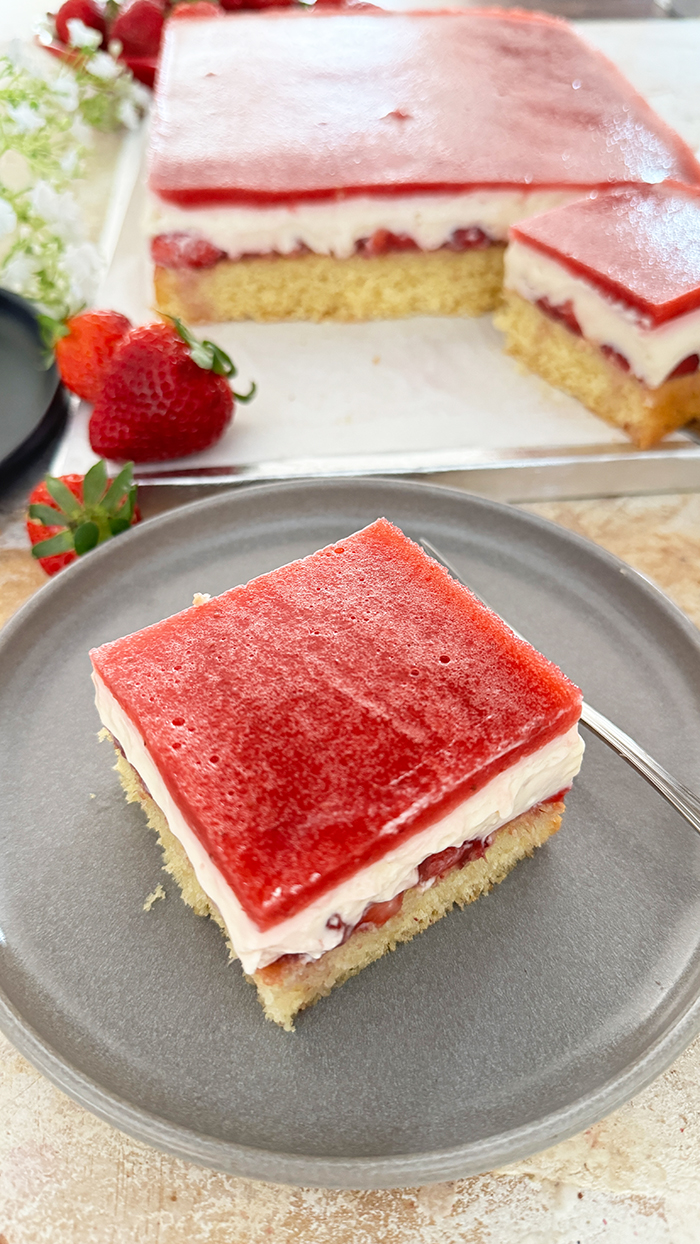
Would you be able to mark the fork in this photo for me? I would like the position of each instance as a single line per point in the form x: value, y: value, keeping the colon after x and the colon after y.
x: 678, y: 795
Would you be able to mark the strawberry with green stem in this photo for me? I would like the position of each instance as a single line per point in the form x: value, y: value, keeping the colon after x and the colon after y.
x: 84, y: 345
x: 164, y: 395
x: 71, y: 514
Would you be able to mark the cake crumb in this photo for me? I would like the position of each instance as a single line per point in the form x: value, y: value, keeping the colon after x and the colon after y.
x: 200, y: 598
x: 93, y: 796
x: 153, y: 897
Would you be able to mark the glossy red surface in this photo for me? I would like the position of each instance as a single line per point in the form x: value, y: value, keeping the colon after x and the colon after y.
x: 310, y: 721
x: 640, y: 246
x: 286, y: 106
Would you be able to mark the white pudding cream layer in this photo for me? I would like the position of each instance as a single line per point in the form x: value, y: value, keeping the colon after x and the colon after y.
x: 537, y: 777
x: 652, y: 352
x: 334, y: 227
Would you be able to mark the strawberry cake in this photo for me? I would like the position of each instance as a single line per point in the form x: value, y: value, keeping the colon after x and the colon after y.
x: 336, y: 753
x: 602, y: 298
x: 362, y: 165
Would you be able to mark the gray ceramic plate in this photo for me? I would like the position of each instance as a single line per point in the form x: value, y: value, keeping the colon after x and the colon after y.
x: 501, y: 1030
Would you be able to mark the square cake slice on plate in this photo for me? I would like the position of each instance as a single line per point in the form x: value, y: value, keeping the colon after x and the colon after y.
x: 602, y: 298
x: 337, y: 752
x: 365, y: 165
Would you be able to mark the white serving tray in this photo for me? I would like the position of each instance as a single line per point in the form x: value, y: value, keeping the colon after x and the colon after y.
x: 421, y: 396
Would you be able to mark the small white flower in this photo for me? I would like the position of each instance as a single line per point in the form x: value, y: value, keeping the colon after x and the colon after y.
x: 128, y: 114
x: 140, y: 94
x: 103, y: 66
x: 8, y: 219
x: 26, y: 118
x: 84, y: 266
x: 69, y: 163
x: 81, y: 131
x: 15, y: 171
x: 65, y: 88
x: 59, y: 210
x: 18, y: 272
x: 82, y: 36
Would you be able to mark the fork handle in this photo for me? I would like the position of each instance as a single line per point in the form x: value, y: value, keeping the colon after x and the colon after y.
x: 682, y: 799
x: 678, y: 795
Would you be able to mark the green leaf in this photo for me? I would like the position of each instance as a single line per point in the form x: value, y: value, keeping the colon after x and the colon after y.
x: 63, y: 497
x: 118, y: 525
x: 221, y: 364
x: 246, y: 397
x: 46, y: 515
x: 201, y: 355
x: 86, y: 537
x: 62, y: 543
x: 181, y: 330
x: 51, y: 330
x: 120, y: 486
x: 206, y: 354
x: 94, y: 483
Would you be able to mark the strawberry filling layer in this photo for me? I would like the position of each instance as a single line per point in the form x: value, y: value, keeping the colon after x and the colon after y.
x: 188, y: 250
x: 564, y: 314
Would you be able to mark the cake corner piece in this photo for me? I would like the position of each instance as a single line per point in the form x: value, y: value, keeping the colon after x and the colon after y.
x: 390, y: 812
x: 602, y: 299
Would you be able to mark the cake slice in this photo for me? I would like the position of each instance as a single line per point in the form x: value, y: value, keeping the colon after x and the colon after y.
x: 602, y: 298
x: 335, y: 753
x: 363, y: 165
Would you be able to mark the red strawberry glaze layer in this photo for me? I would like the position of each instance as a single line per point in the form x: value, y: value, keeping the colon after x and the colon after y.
x: 329, y: 104
x: 311, y: 721
x: 638, y: 246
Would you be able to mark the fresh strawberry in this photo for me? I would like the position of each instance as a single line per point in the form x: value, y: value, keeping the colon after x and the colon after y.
x: 84, y: 346
x: 70, y: 514
x: 195, y: 8
x: 139, y: 26
x: 165, y: 395
x: 85, y: 11
x: 184, y: 250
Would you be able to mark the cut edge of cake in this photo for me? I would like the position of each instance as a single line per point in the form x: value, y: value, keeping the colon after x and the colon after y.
x: 287, y: 987
x: 580, y: 367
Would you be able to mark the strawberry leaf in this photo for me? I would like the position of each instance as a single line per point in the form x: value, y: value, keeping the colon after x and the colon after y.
x: 121, y: 485
x: 51, y: 330
x: 200, y: 354
x: 206, y: 354
x: 220, y: 364
x: 94, y: 484
x: 61, y: 543
x: 246, y: 397
x: 62, y: 495
x: 47, y: 515
x: 118, y: 525
x: 85, y: 537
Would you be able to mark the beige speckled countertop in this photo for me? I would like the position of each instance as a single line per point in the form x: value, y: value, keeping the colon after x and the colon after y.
x: 66, y: 1178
